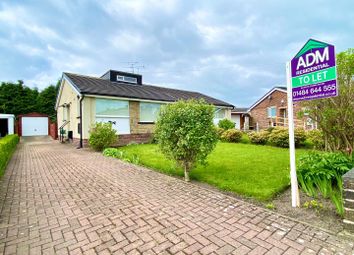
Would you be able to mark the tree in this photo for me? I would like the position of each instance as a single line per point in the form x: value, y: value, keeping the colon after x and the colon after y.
x: 335, y: 116
x: 46, y: 101
x: 185, y: 133
x: 16, y: 98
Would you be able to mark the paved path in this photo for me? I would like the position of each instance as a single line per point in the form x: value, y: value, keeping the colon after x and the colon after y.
x: 59, y: 200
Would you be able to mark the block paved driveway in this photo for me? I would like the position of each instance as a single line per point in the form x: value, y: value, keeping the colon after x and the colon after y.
x: 56, y: 199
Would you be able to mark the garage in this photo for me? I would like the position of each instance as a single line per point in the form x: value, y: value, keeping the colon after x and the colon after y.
x: 34, y: 124
x: 6, y: 124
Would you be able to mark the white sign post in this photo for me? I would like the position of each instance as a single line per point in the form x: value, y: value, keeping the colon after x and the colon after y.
x: 295, y: 200
x: 311, y: 74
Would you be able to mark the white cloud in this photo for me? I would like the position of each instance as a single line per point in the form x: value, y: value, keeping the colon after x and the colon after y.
x: 139, y: 8
x: 19, y: 20
x: 29, y: 50
x: 128, y: 41
x: 216, y: 33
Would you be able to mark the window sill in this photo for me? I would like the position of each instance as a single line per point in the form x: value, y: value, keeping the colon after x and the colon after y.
x: 146, y: 122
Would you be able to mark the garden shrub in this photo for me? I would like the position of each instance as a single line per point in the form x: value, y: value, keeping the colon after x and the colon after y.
x: 270, y: 129
x: 232, y: 136
x: 321, y: 173
x: 186, y: 133
x: 219, y: 131
x: 245, y: 139
x: 153, y: 139
x: 102, y: 135
x: 259, y: 137
x: 316, y: 138
x: 226, y: 124
x: 7, y: 147
x: 280, y: 137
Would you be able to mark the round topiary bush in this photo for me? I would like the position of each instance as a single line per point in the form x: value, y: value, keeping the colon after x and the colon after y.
x: 186, y: 133
x: 280, y: 137
x: 259, y: 137
x: 226, y: 124
x: 231, y: 136
x: 102, y: 136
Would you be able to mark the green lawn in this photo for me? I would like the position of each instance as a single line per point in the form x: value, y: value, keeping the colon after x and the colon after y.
x: 250, y: 170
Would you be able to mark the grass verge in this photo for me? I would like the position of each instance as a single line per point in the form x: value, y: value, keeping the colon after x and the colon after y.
x: 249, y: 170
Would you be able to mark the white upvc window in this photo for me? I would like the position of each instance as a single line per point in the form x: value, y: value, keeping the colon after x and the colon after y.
x: 149, y: 111
x: 115, y: 112
x: 219, y: 113
x: 272, y: 112
x: 112, y: 108
x: 66, y: 112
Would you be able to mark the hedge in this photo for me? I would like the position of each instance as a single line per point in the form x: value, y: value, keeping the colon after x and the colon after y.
x: 7, y: 147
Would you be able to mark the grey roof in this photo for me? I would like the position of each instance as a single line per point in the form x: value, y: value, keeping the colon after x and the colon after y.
x: 239, y: 110
x: 104, y: 87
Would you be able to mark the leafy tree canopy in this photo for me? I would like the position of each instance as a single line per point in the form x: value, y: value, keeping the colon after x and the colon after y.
x: 335, y: 116
x: 16, y: 98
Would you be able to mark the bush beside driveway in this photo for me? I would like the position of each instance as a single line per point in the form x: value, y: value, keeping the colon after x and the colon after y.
x: 7, y: 147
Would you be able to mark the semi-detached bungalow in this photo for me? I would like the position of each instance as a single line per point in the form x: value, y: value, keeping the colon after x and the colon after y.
x: 121, y: 99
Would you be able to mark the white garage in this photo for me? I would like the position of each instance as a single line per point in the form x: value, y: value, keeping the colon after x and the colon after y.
x: 34, y: 126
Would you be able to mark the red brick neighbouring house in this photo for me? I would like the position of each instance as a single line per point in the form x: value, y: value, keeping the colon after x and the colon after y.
x: 271, y: 111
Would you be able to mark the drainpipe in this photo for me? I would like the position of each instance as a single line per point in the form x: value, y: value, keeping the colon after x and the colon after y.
x: 81, y: 143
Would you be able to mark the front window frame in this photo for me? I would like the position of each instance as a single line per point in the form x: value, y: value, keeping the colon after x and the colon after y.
x: 151, y: 119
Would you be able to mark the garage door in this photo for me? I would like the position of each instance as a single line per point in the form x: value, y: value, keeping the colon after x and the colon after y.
x: 236, y: 120
x: 33, y: 126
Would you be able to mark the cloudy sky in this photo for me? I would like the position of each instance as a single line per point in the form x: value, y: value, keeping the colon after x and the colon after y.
x: 231, y: 50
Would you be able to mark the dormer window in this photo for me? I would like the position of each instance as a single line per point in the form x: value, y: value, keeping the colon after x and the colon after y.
x: 127, y: 79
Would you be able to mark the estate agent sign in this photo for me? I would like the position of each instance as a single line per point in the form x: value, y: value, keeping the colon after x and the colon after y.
x: 313, y: 72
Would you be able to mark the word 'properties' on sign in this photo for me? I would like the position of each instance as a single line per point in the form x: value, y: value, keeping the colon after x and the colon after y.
x: 313, y: 72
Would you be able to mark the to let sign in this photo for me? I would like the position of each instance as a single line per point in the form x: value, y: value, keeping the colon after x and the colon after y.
x: 313, y: 72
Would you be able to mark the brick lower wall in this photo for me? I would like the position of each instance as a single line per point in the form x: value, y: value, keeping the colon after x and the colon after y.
x: 134, y: 138
x: 76, y: 142
x: 122, y: 140
x: 348, y: 197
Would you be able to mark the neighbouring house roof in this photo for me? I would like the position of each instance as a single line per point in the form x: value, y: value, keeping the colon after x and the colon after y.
x: 239, y: 110
x: 277, y: 88
x: 104, y: 87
